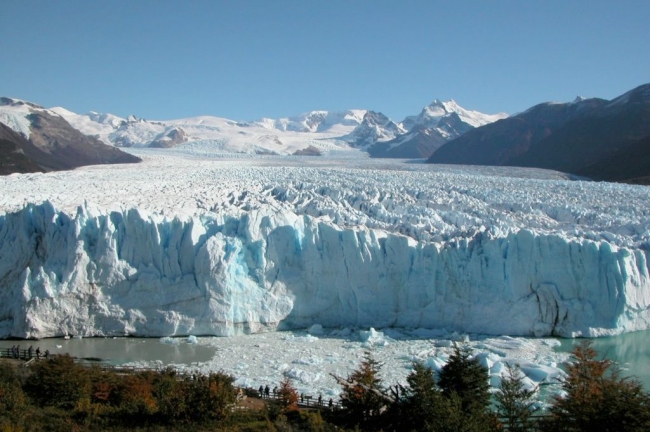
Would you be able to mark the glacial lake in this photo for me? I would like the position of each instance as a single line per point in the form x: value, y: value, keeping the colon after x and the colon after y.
x: 631, y: 351
x: 263, y: 358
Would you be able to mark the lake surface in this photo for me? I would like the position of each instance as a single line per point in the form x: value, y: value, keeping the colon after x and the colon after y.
x: 263, y: 358
x: 120, y: 350
x: 631, y: 351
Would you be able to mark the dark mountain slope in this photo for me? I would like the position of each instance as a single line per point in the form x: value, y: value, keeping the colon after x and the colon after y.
x: 500, y: 142
x: 52, y: 144
x: 599, y: 134
x: 630, y: 164
x: 61, y: 147
x: 604, y: 140
x: 12, y: 156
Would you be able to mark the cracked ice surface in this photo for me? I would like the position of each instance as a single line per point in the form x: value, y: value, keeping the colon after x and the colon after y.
x: 183, y: 245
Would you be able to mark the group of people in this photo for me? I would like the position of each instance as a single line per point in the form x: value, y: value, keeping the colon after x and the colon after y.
x: 265, y: 392
x: 15, y: 352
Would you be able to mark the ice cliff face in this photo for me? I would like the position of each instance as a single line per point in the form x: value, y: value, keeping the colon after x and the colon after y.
x: 177, y: 246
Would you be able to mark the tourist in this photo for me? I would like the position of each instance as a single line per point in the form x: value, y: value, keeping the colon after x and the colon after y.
x: 261, y: 390
x: 267, y: 390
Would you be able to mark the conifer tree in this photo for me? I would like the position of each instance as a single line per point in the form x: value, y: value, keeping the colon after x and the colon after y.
x: 363, y: 397
x: 467, y: 378
x: 514, y: 402
x: 420, y: 402
x: 598, y: 399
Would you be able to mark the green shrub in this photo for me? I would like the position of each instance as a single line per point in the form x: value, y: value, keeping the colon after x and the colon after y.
x: 58, y: 382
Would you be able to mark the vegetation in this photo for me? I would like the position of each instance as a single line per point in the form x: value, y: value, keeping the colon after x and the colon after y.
x: 515, y: 403
x: 598, y: 399
x: 60, y: 395
x: 363, y: 396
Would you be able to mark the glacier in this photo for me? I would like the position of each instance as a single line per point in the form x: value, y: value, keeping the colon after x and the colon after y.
x: 182, y: 246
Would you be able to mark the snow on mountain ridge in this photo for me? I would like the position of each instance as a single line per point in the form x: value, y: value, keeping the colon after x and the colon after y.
x: 282, y: 136
x: 431, y: 115
x: 288, y: 135
x: 14, y: 112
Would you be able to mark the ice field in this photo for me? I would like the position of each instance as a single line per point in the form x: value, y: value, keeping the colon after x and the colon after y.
x: 186, y: 244
x: 192, y: 246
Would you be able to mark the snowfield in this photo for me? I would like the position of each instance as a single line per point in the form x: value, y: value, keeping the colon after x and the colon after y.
x: 182, y: 244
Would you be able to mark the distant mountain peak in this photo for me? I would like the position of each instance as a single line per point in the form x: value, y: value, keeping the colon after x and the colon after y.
x: 7, y: 101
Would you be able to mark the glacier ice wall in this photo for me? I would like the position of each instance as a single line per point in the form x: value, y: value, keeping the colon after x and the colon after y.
x: 124, y: 272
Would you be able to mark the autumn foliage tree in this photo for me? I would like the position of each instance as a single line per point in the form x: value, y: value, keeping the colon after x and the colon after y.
x: 288, y: 395
x: 597, y: 398
x: 362, y: 398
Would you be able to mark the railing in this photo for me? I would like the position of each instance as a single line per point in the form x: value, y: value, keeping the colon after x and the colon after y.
x: 305, y: 401
x: 23, y: 354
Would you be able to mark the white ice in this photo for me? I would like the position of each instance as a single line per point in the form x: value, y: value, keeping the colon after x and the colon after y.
x: 184, y: 244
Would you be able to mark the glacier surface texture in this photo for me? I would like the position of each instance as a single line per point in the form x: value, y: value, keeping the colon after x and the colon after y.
x: 181, y: 246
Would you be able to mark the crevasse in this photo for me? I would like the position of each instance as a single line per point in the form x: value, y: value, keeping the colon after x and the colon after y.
x: 124, y: 272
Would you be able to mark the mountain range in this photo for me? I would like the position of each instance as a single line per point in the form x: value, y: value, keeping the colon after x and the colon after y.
x: 595, y: 138
x: 314, y: 132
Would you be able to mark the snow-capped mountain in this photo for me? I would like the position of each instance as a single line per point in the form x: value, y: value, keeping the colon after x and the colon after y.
x: 419, y: 136
x: 435, y: 114
x: 37, y: 139
x: 375, y: 127
x: 316, y: 121
x: 314, y: 132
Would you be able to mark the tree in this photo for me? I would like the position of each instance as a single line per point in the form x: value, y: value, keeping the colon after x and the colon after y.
x: 13, y: 406
x: 170, y: 393
x: 416, y: 404
x: 597, y: 398
x: 136, y: 395
x: 287, y: 395
x: 363, y: 395
x: 58, y: 382
x: 210, y: 397
x: 466, y: 377
x: 515, y: 403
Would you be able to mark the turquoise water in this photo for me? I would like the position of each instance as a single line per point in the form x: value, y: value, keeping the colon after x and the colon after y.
x: 631, y: 351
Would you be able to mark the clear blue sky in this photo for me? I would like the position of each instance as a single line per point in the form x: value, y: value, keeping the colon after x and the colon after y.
x: 249, y: 59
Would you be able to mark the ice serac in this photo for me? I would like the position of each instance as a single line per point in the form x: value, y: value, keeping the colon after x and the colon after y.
x: 125, y: 272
